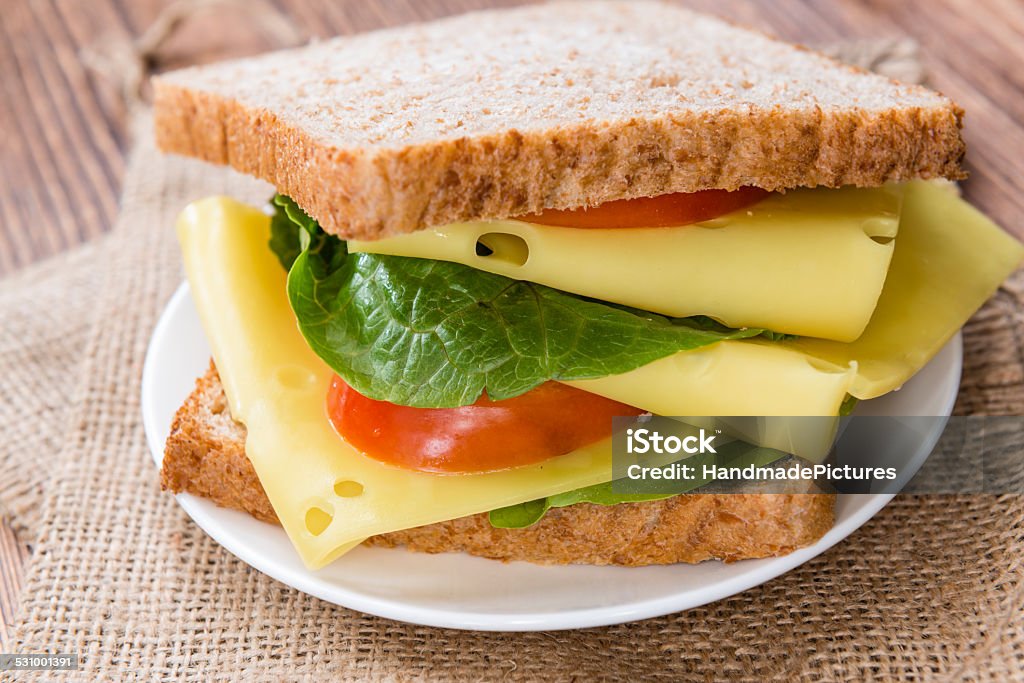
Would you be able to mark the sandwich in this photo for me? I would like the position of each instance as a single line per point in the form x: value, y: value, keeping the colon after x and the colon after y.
x: 494, y: 233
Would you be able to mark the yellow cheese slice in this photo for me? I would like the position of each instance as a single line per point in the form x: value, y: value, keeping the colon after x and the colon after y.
x: 809, y: 262
x: 329, y: 497
x: 731, y: 379
x: 949, y: 259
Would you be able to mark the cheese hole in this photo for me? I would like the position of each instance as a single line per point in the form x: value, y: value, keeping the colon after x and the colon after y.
x: 318, y: 519
x: 295, y: 377
x: 879, y: 230
x: 346, y: 488
x: 501, y: 246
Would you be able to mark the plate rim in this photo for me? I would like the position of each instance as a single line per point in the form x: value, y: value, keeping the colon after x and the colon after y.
x: 205, y: 513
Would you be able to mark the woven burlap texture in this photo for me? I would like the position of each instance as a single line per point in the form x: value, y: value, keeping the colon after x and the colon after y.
x: 930, y: 588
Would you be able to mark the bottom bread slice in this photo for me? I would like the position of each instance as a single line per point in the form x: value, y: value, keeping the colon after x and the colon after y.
x: 205, y: 456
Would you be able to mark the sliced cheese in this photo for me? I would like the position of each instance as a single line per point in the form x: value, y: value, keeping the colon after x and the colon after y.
x: 731, y: 378
x: 277, y: 387
x: 949, y: 259
x: 329, y: 497
x: 809, y: 262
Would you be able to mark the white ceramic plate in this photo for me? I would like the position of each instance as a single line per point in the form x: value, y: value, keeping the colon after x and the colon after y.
x: 459, y: 591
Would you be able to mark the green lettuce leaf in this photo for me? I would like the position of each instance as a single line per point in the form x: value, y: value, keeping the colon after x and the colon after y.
x: 285, y: 239
x: 434, y: 334
x: 529, y: 513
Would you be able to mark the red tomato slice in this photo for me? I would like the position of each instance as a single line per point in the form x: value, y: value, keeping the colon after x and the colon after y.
x: 665, y: 211
x: 551, y: 420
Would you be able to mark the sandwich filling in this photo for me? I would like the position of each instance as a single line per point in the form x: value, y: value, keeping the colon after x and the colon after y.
x: 787, y: 262
x: 546, y: 421
x: 430, y: 364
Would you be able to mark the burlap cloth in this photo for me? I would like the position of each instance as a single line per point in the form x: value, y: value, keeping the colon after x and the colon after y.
x: 930, y: 588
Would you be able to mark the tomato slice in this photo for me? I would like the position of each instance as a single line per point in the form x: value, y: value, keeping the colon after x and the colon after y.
x: 551, y: 420
x: 665, y: 211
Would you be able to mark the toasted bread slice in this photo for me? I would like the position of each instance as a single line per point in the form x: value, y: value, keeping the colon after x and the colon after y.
x: 501, y: 113
x: 205, y: 455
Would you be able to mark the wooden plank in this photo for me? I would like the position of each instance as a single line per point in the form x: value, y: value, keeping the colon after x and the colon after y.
x: 63, y: 130
x: 44, y: 134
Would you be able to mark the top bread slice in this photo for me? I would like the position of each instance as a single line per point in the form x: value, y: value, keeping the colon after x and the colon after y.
x: 500, y: 113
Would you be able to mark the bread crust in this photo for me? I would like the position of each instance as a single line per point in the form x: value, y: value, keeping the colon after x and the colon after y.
x: 372, y: 182
x: 205, y: 456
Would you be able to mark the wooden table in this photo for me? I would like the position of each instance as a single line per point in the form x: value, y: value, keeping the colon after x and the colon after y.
x: 63, y: 136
